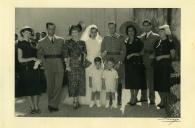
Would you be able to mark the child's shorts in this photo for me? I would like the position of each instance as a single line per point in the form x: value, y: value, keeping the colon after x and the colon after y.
x: 96, y: 88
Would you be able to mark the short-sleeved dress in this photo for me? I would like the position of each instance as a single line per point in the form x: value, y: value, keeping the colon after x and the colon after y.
x: 29, y: 78
x: 162, y: 68
x: 134, y: 67
x: 76, y: 77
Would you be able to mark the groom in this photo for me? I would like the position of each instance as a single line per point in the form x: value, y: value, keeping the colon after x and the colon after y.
x: 113, y: 46
x: 51, y: 55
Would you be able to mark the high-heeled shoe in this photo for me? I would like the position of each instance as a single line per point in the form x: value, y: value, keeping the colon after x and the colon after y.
x: 161, y: 106
x: 32, y: 110
x: 38, y: 111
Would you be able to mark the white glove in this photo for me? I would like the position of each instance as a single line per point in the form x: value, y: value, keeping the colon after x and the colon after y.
x: 36, y: 65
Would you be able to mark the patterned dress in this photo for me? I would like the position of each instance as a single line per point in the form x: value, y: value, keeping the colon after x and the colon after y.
x: 76, y: 76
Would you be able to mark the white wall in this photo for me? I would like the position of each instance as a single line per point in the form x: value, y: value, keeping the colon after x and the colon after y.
x: 63, y: 17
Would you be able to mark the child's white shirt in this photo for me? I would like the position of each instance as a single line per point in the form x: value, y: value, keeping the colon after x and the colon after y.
x: 110, y: 77
x: 96, y: 75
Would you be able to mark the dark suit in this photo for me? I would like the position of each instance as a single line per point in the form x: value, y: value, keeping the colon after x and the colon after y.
x: 51, y: 55
x: 147, y: 52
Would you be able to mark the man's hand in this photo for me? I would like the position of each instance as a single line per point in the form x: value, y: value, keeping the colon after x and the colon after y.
x: 104, y: 54
x: 158, y: 58
x: 151, y: 56
x: 129, y: 56
x: 117, y: 66
x: 68, y: 68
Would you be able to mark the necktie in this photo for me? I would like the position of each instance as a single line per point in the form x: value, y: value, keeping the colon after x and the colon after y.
x: 146, y: 36
x: 52, y: 40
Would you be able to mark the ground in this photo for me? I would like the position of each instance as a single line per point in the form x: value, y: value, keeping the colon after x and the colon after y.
x: 66, y: 110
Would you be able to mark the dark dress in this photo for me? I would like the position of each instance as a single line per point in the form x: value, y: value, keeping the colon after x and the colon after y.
x: 162, y: 68
x: 134, y: 67
x: 76, y: 77
x: 29, y: 78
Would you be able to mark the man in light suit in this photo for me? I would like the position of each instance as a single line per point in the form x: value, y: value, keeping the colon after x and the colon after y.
x: 148, y: 38
x: 50, y: 52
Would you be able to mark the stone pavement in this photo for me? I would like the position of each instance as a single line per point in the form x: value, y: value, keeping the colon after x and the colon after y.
x: 66, y: 110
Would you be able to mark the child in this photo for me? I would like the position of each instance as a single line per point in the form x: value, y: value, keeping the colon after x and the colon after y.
x: 95, y: 82
x: 110, y: 83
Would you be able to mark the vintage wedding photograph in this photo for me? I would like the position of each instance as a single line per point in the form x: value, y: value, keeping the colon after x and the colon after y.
x: 97, y: 62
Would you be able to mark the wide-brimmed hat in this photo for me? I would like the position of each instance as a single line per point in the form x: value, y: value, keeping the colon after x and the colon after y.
x: 124, y: 26
x: 26, y: 28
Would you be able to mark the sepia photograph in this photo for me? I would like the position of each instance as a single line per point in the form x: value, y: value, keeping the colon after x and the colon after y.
x: 97, y: 62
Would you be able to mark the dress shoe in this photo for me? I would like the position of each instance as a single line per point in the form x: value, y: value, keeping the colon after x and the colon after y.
x: 152, y: 103
x: 132, y: 104
x: 161, y: 106
x: 32, y: 111
x: 142, y: 100
x: 52, y: 109
x: 38, y: 111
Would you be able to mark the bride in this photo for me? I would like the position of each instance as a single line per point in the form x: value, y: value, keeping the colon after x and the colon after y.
x: 93, y: 44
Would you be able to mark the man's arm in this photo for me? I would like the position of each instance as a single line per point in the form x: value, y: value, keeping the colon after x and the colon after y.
x: 66, y: 55
x: 123, y: 51
x: 90, y: 82
x: 40, y: 52
x: 103, y: 48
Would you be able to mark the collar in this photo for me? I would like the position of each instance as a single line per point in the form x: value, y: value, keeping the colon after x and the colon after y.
x: 109, y: 69
x: 148, y: 33
x: 50, y: 37
x: 115, y: 35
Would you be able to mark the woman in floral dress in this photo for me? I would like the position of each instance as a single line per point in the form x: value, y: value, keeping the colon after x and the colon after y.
x: 75, y: 65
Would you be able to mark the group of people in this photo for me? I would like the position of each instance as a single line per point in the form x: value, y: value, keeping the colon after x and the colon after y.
x: 94, y: 64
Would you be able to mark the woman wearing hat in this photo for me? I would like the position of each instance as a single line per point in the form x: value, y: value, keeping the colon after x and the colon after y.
x: 29, y: 71
x: 134, y: 67
x: 76, y: 64
x: 164, y: 52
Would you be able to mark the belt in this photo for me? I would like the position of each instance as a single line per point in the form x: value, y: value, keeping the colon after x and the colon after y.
x: 52, y: 56
x: 148, y: 51
x: 113, y: 53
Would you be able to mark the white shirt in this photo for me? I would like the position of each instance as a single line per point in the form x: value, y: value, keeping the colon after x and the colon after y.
x: 110, y: 77
x: 148, y: 33
x: 96, y: 75
x: 51, y: 37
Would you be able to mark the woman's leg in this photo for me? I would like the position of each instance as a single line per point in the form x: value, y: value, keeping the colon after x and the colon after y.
x: 35, y: 99
x: 132, y: 95
x: 31, y: 103
x: 135, y: 95
x: 36, y: 103
x: 162, y: 97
